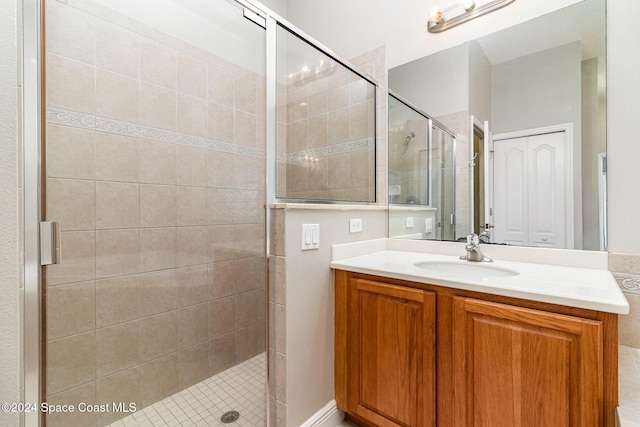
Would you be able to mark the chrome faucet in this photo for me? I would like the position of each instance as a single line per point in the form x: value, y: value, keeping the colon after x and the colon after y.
x: 473, y: 250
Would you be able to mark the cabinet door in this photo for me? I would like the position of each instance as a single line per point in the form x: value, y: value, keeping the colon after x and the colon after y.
x: 391, y: 354
x: 521, y: 367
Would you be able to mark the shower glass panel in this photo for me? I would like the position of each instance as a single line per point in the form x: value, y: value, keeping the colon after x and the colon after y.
x: 410, y: 208
x: 155, y: 173
x: 444, y: 176
x: 421, y: 174
x: 325, y: 126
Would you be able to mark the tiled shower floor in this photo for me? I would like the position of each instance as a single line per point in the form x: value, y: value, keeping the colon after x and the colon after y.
x: 241, y: 388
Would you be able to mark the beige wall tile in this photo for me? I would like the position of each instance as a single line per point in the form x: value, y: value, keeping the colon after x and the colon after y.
x: 220, y: 205
x: 624, y: 263
x: 222, y: 245
x: 117, y: 157
x: 192, y: 76
x: 281, y: 377
x: 64, y: 23
x: 220, y: 122
x: 117, y: 348
x: 72, y: 203
x: 361, y: 121
x: 117, y: 49
x: 193, y: 365
x: 220, y: 170
x: 339, y: 170
x: 299, y: 136
x: 220, y: 87
x: 338, y: 97
x: 222, y: 279
x: 280, y: 329
x: 70, y: 85
x: 245, y: 95
x: 158, y: 249
x: 85, y: 393
x: 318, y: 131
x: 117, y: 300
x: 338, y: 125
x: 244, y: 128
x: 192, y: 206
x: 158, y: 292
x: 222, y: 316
x: 158, y: 106
x: 78, y: 259
x: 628, y: 333
x: 158, y: 64
x: 192, y: 246
x: 246, y: 309
x: 192, y: 115
x: 251, y: 173
x: 123, y: 387
x: 70, y: 309
x: 193, y: 325
x: 117, y: 96
x: 157, y: 162
x: 158, y: 336
x: 247, y: 342
x: 249, y: 240
x: 69, y: 152
x: 298, y: 109
x: 319, y: 175
x: 117, y: 205
x: 70, y: 362
x: 193, y: 285
x: 222, y: 353
x: 191, y: 166
x: 158, y: 206
x: 362, y: 169
x: 159, y: 379
x: 117, y: 253
x: 248, y: 206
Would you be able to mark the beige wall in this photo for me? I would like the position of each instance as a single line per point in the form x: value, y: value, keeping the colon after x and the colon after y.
x: 9, y: 212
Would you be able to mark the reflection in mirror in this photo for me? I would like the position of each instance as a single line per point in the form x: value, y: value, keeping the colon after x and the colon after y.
x: 528, y: 107
x: 421, y: 174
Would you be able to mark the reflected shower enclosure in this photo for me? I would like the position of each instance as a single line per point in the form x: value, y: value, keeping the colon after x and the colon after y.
x: 421, y: 174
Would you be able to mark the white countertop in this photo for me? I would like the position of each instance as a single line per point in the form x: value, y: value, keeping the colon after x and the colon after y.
x: 589, y: 288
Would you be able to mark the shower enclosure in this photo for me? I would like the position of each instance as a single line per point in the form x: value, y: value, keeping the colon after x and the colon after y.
x: 421, y: 174
x: 150, y: 156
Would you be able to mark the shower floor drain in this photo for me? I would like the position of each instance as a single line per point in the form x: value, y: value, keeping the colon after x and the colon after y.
x: 230, y: 416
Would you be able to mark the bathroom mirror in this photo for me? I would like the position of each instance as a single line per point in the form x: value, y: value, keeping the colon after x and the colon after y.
x: 527, y: 106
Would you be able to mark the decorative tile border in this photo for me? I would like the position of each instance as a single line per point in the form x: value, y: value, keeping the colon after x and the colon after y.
x: 629, y: 283
x: 102, y: 124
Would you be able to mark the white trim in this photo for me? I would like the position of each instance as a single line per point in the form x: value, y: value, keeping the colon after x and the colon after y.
x: 570, y: 193
x: 328, y: 416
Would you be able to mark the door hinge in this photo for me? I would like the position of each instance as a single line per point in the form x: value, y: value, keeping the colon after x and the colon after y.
x: 49, y: 243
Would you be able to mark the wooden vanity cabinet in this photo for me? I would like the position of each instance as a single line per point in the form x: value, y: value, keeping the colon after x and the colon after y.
x: 410, y: 354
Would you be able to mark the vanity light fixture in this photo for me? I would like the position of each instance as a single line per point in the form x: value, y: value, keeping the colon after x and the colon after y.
x: 462, y: 11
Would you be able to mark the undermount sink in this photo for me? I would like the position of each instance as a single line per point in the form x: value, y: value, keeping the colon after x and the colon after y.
x: 465, y: 270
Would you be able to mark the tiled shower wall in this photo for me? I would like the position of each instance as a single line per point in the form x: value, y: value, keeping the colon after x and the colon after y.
x: 155, y: 171
x: 326, y: 135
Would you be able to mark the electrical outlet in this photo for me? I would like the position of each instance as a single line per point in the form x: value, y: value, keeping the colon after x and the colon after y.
x: 355, y: 225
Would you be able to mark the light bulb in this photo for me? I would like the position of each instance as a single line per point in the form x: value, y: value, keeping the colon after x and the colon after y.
x: 437, y: 17
x: 468, y: 5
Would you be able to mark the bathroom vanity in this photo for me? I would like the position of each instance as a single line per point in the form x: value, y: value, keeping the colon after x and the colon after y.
x: 510, y: 343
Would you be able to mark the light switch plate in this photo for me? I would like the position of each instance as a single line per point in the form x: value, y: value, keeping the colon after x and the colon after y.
x: 310, y: 237
x: 355, y: 225
x: 410, y: 222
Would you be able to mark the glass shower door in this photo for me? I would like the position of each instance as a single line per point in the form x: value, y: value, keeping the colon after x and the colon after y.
x: 443, y: 175
x: 155, y: 174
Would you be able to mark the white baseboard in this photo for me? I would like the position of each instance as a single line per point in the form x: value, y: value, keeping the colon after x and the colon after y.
x: 328, y: 416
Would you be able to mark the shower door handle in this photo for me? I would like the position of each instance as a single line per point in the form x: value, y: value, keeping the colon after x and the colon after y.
x: 49, y: 243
